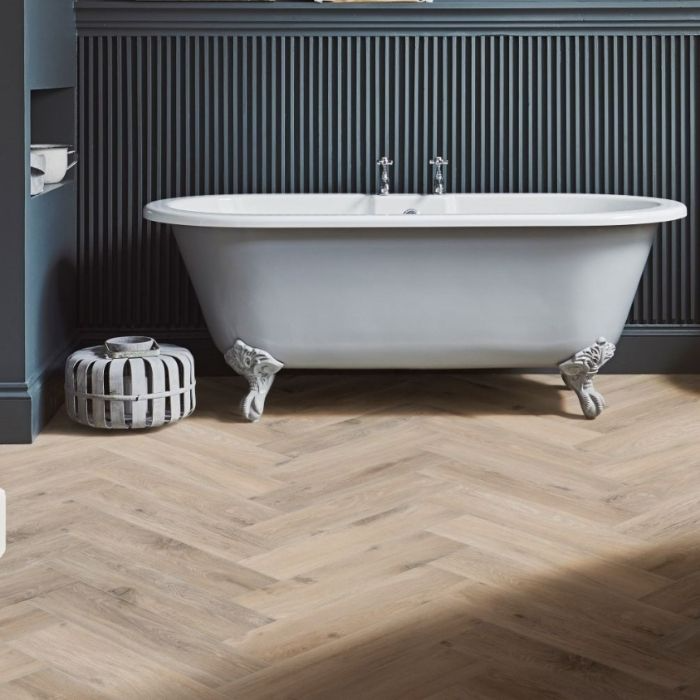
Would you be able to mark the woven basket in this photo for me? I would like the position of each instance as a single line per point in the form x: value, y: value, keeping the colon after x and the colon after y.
x: 130, y: 383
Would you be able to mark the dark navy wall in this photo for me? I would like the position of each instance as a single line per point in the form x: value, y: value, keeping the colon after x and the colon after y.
x: 182, y: 100
x: 38, y: 234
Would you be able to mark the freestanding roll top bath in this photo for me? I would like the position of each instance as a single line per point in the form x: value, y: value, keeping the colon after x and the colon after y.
x: 411, y: 281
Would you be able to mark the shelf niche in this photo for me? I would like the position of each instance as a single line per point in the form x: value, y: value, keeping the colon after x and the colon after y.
x: 52, y: 117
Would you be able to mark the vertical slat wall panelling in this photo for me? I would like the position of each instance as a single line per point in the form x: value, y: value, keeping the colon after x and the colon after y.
x: 164, y: 116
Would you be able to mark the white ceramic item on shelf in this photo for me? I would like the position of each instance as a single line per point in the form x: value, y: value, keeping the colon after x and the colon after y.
x: 37, y: 162
x: 36, y: 181
x: 56, y: 156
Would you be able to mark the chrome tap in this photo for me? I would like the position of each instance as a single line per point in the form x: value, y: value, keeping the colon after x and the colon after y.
x: 438, y: 177
x: 384, y: 164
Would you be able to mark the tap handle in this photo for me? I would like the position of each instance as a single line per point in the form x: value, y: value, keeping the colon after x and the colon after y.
x: 384, y: 164
x: 438, y: 162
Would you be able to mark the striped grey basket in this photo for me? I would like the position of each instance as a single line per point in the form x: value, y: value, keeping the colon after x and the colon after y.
x: 130, y: 383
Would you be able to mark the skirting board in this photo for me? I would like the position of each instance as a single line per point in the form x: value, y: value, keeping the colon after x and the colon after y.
x: 653, y: 350
x: 25, y: 408
x: 15, y: 414
x: 641, y: 350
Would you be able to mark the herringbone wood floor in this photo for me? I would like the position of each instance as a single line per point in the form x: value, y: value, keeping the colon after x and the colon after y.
x: 375, y: 536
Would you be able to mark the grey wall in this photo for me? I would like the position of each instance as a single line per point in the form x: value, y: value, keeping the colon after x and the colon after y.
x: 199, y: 104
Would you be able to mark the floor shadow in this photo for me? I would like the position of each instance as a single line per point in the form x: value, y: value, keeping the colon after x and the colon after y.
x: 490, y: 625
x: 394, y: 393
x: 689, y: 383
x: 389, y: 393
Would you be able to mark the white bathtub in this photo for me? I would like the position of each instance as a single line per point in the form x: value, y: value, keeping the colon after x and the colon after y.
x: 468, y: 281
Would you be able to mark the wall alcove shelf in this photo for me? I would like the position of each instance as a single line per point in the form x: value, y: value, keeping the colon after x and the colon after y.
x: 38, y: 234
x: 52, y: 188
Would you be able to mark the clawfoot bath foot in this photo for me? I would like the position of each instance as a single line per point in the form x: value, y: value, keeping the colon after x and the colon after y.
x: 259, y: 368
x: 578, y: 373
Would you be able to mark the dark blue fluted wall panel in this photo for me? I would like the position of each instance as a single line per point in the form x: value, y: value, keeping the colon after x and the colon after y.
x: 164, y: 116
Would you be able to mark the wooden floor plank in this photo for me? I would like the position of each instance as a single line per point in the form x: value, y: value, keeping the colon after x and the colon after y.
x: 52, y: 684
x: 150, y: 634
x: 14, y: 665
x: 101, y: 665
x: 208, y: 609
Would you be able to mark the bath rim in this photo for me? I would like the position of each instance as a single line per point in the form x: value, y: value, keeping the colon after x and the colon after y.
x: 651, y: 210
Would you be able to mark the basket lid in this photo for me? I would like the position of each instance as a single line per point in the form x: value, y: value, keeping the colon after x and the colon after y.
x: 132, y: 346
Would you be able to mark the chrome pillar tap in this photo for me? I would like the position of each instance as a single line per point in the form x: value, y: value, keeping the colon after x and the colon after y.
x: 384, y: 164
x: 438, y: 177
